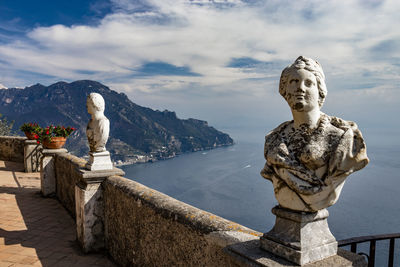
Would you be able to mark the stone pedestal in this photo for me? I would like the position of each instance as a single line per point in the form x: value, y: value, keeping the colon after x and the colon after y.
x: 47, y: 171
x: 90, y: 208
x: 250, y: 254
x: 32, y: 155
x: 300, y: 237
x: 99, y: 161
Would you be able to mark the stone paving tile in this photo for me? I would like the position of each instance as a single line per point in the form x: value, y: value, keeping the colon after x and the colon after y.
x: 36, y: 231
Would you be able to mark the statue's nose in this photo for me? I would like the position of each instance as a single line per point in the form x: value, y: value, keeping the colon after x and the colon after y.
x: 300, y: 88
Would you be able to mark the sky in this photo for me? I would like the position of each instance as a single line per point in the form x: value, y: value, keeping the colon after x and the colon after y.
x: 218, y: 61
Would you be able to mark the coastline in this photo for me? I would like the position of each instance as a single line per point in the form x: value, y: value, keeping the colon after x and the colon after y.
x: 157, y: 156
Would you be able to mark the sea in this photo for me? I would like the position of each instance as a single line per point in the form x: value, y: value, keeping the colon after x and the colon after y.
x: 226, y: 181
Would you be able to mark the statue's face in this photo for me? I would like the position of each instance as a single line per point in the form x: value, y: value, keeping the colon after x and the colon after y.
x: 89, y: 106
x: 302, y: 91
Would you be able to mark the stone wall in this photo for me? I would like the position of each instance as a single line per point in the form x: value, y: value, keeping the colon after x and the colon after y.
x: 144, y: 227
x: 12, y: 148
x: 66, y: 179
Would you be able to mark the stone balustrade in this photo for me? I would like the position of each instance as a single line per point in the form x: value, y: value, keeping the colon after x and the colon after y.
x: 144, y: 227
x: 139, y: 226
x: 12, y: 148
x: 20, y: 149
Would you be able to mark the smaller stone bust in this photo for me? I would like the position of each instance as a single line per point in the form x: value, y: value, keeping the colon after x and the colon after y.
x: 98, y: 128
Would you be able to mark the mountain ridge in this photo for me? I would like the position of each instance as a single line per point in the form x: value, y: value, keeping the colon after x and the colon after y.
x: 136, y: 132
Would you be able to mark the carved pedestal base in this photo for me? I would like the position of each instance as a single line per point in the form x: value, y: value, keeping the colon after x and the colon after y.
x: 89, y: 208
x: 99, y: 161
x: 300, y: 237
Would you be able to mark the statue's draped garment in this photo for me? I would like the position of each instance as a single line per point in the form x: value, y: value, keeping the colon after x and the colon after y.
x: 308, y: 167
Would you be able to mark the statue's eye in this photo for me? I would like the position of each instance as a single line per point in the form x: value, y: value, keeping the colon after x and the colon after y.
x: 308, y: 83
x: 293, y: 81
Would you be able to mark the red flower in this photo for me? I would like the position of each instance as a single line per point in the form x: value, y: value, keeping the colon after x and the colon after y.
x: 38, y: 142
x: 47, y: 132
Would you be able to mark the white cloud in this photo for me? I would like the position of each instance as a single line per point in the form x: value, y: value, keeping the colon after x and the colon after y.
x: 349, y: 38
x: 205, y: 37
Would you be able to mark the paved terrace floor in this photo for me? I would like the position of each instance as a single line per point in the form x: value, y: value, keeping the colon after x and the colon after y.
x: 36, y: 231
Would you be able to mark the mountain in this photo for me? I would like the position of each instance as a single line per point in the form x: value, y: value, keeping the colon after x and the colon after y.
x: 135, y: 132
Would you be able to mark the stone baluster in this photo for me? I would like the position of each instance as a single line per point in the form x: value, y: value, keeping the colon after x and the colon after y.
x: 89, y: 206
x: 47, y: 171
x: 32, y: 155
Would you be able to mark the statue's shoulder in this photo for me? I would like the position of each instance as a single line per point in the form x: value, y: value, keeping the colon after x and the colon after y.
x: 342, y: 124
x: 276, y: 133
x: 350, y: 132
x: 351, y: 153
x: 104, y: 121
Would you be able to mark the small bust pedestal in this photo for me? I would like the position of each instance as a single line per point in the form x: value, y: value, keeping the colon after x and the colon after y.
x: 90, y: 208
x: 300, y: 237
x: 99, y: 161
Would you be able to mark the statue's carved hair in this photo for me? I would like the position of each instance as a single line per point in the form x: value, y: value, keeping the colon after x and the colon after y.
x: 310, y: 65
x: 97, y: 100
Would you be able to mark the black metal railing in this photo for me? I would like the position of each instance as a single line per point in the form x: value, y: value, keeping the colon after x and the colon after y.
x: 352, y: 242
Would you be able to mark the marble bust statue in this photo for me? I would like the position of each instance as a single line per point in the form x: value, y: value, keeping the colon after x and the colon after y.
x: 309, y: 158
x: 97, y: 132
x: 98, y: 128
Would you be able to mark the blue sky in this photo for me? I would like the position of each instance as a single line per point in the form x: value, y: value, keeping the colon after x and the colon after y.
x: 215, y: 60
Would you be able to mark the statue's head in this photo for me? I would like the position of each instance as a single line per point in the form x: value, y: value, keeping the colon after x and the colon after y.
x: 95, y: 103
x: 304, y: 64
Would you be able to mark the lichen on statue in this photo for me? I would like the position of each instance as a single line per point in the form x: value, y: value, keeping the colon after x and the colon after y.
x: 98, y: 128
x: 309, y: 158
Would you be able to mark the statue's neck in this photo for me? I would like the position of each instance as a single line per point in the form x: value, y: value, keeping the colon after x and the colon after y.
x: 309, y: 118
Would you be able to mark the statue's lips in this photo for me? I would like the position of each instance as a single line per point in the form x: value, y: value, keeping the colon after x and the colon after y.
x: 300, y: 97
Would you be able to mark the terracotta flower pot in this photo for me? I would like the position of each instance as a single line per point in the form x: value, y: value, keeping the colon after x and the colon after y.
x: 31, y: 136
x: 55, y: 143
